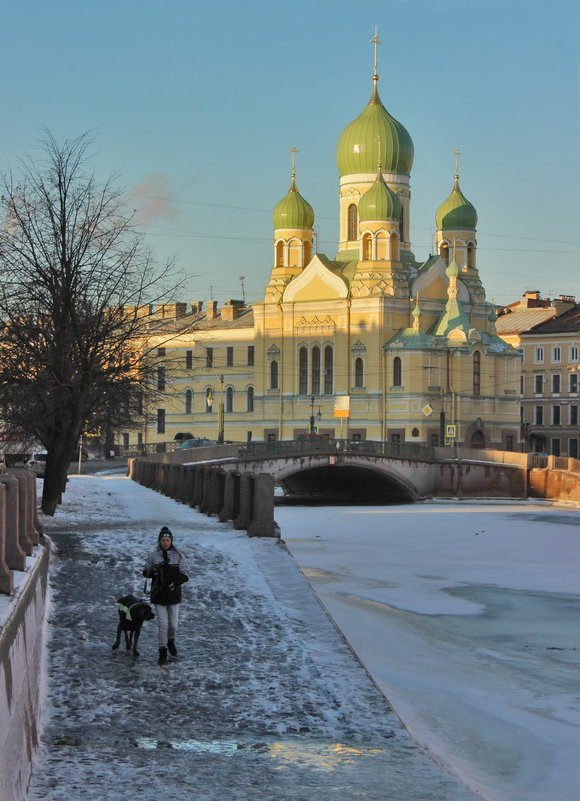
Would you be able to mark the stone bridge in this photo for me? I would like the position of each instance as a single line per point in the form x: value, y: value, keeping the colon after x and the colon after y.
x: 237, y: 481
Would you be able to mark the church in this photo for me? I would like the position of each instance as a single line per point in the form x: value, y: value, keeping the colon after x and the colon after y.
x: 365, y: 344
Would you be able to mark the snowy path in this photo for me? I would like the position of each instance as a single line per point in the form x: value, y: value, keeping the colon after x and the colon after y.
x: 264, y: 702
x: 468, y: 618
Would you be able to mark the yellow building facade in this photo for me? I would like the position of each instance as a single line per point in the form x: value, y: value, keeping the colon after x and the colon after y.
x: 369, y: 344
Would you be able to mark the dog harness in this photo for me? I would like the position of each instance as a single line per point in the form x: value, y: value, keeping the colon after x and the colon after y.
x: 127, y: 603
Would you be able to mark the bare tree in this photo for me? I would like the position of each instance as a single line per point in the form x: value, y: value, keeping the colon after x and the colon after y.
x: 75, y: 277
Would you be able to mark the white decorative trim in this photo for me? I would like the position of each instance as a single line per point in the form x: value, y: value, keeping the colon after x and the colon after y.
x: 337, y: 286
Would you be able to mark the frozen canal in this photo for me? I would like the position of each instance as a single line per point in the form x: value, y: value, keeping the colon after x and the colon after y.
x: 468, y: 618
x: 265, y: 702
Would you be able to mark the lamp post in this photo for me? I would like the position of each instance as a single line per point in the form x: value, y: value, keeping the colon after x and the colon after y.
x: 312, y: 423
x: 220, y: 437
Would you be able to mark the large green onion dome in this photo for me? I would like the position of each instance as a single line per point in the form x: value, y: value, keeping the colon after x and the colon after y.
x: 379, y: 203
x: 359, y: 143
x: 456, y: 213
x: 293, y: 211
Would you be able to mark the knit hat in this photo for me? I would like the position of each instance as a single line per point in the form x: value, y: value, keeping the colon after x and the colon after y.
x: 165, y: 532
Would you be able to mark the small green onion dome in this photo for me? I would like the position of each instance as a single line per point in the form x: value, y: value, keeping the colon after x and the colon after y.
x: 356, y: 151
x: 456, y: 213
x: 452, y: 269
x: 379, y: 203
x: 293, y: 211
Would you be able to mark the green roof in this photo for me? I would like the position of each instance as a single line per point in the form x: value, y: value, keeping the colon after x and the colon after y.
x: 293, y: 211
x: 379, y: 203
x: 357, y: 148
x: 456, y: 213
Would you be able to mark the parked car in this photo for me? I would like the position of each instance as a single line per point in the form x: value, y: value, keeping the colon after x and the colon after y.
x: 37, y: 463
x: 196, y: 442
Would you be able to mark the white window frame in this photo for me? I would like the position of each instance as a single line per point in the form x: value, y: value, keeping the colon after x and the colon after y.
x: 573, y: 353
x: 537, y: 383
x: 556, y: 353
x: 572, y: 376
x: 538, y: 354
x: 556, y: 392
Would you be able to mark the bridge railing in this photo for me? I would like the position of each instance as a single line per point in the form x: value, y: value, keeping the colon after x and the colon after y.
x: 400, y: 450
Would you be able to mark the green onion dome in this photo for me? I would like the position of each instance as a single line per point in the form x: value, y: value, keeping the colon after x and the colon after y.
x: 456, y: 213
x: 293, y: 211
x: 452, y: 269
x: 356, y: 151
x: 379, y: 203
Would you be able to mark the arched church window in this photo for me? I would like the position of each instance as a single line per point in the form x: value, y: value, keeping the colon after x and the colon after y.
x: 402, y: 223
x: 394, y: 247
x: 250, y: 399
x: 367, y: 247
x: 477, y: 373
x: 471, y: 255
x: 307, y: 253
x: 444, y: 252
x: 303, y: 372
x: 328, y: 369
x: 359, y: 373
x: 188, y: 401
x: 279, y: 254
x: 208, y: 400
x: 397, y: 372
x: 230, y: 399
x: 274, y: 374
x: 352, y: 222
x: 315, y: 370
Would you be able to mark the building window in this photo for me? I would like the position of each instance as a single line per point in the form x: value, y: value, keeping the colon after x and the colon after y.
x: 397, y: 372
x: 229, y: 357
x: 352, y: 223
x: 444, y: 252
x: 538, y: 385
x: 477, y: 373
x: 328, y: 369
x: 574, y: 383
x: 556, y: 354
x: 274, y: 374
x: 209, y: 357
x: 161, y: 379
x: 367, y: 253
x: 556, y: 446
x: 522, y: 385
x: 125, y: 440
x: 359, y: 373
x: 161, y: 421
x: 573, y: 448
x: 573, y: 353
x: 539, y: 355
x: 555, y: 415
x: 250, y: 355
x: 315, y: 370
x: 230, y: 399
x: 208, y: 400
x: 556, y: 384
x: 539, y: 415
x: 250, y: 399
x: 188, y: 359
x: 303, y: 371
x: 434, y: 440
x: 188, y: 401
x: 573, y: 415
x: 509, y: 442
x: 279, y: 254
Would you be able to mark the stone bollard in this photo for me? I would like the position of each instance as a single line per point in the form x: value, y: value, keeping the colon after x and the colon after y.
x: 15, y: 552
x: 6, y: 577
x: 262, y: 523
x: 245, y: 513
x: 230, y: 509
x: 26, y: 502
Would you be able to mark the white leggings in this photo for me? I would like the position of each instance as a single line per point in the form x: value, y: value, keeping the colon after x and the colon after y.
x: 166, y: 623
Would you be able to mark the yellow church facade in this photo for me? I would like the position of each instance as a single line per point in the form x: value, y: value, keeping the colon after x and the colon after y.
x: 368, y: 345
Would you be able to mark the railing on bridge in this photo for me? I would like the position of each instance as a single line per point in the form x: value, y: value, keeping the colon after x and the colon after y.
x: 305, y: 446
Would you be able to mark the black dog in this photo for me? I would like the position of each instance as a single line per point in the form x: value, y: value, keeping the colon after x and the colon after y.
x: 132, y: 614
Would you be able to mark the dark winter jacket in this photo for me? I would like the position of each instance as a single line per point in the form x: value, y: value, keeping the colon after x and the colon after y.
x: 168, y: 571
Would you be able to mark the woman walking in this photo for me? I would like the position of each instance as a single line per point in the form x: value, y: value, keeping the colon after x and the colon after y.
x: 167, y: 567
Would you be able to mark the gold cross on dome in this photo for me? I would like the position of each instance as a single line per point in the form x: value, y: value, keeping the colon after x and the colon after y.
x: 457, y: 153
x: 376, y: 42
x: 293, y: 150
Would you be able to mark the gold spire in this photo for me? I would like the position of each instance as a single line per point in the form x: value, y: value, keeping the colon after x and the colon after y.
x: 293, y: 150
x: 379, y: 165
x: 376, y: 42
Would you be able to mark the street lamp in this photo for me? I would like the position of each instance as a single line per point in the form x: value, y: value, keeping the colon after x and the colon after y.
x: 220, y: 437
x: 312, y: 423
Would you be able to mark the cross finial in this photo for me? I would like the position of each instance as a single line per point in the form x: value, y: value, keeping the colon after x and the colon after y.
x: 457, y: 153
x: 376, y: 42
x: 293, y: 150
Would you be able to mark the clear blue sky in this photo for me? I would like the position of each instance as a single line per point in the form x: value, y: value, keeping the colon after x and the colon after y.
x: 200, y: 103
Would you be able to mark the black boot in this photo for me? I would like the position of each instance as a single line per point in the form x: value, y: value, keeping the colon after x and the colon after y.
x: 171, y: 647
x: 162, y: 656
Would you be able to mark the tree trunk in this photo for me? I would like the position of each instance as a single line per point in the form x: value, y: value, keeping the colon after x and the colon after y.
x: 54, y: 483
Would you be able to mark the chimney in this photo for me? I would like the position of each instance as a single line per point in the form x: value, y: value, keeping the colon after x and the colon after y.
x: 197, y: 306
x: 563, y: 303
x: 172, y: 310
x: 211, y: 311
x: 231, y: 309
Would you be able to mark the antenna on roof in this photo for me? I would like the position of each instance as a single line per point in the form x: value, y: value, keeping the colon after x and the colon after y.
x: 242, y: 279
